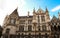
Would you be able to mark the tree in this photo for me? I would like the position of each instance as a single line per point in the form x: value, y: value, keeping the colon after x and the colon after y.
x: 1, y: 29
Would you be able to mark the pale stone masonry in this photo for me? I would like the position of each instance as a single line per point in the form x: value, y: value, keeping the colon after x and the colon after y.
x: 36, y: 24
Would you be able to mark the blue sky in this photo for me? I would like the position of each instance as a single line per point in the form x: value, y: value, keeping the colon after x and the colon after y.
x: 50, y: 4
x: 8, y: 6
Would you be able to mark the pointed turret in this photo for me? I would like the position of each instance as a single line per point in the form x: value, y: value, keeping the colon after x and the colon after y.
x: 47, y: 14
x: 28, y: 13
x: 34, y: 16
x: 14, y: 12
x: 58, y: 15
x: 46, y: 10
x: 34, y: 10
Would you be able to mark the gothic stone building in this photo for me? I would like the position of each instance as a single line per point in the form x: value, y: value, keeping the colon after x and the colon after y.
x: 55, y: 27
x: 36, y: 26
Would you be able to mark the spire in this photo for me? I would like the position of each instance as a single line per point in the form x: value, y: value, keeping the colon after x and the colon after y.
x: 46, y: 9
x: 47, y: 12
x: 54, y: 17
x: 28, y: 13
x: 34, y: 10
x: 34, y: 16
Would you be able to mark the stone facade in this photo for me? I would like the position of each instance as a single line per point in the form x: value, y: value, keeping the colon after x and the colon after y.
x: 55, y: 27
x: 35, y: 26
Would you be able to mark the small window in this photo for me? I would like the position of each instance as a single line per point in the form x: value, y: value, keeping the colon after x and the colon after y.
x: 56, y: 36
x: 7, y: 30
x: 21, y: 28
x: 46, y: 35
x: 22, y: 21
x: 38, y: 28
x: 12, y: 21
x: 59, y: 28
x: 55, y: 28
x: 59, y: 24
x: 29, y: 21
x: 42, y: 18
x: 38, y: 20
x: 44, y: 27
x: 29, y: 28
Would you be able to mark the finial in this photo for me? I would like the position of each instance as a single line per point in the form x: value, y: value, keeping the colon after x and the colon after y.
x: 28, y: 13
x: 34, y: 10
x: 46, y: 9
x: 58, y: 12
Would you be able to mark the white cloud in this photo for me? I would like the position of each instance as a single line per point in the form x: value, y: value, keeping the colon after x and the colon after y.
x: 50, y: 17
x: 21, y: 7
x: 6, y: 7
x: 56, y: 8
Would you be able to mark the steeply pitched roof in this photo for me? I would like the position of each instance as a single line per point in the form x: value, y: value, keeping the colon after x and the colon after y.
x: 40, y: 10
x: 54, y: 18
x: 14, y: 12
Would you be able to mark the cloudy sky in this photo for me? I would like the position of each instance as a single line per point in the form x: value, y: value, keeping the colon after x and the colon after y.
x: 7, y: 6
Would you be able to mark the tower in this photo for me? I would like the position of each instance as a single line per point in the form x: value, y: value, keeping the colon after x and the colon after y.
x: 47, y: 15
x: 34, y: 16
